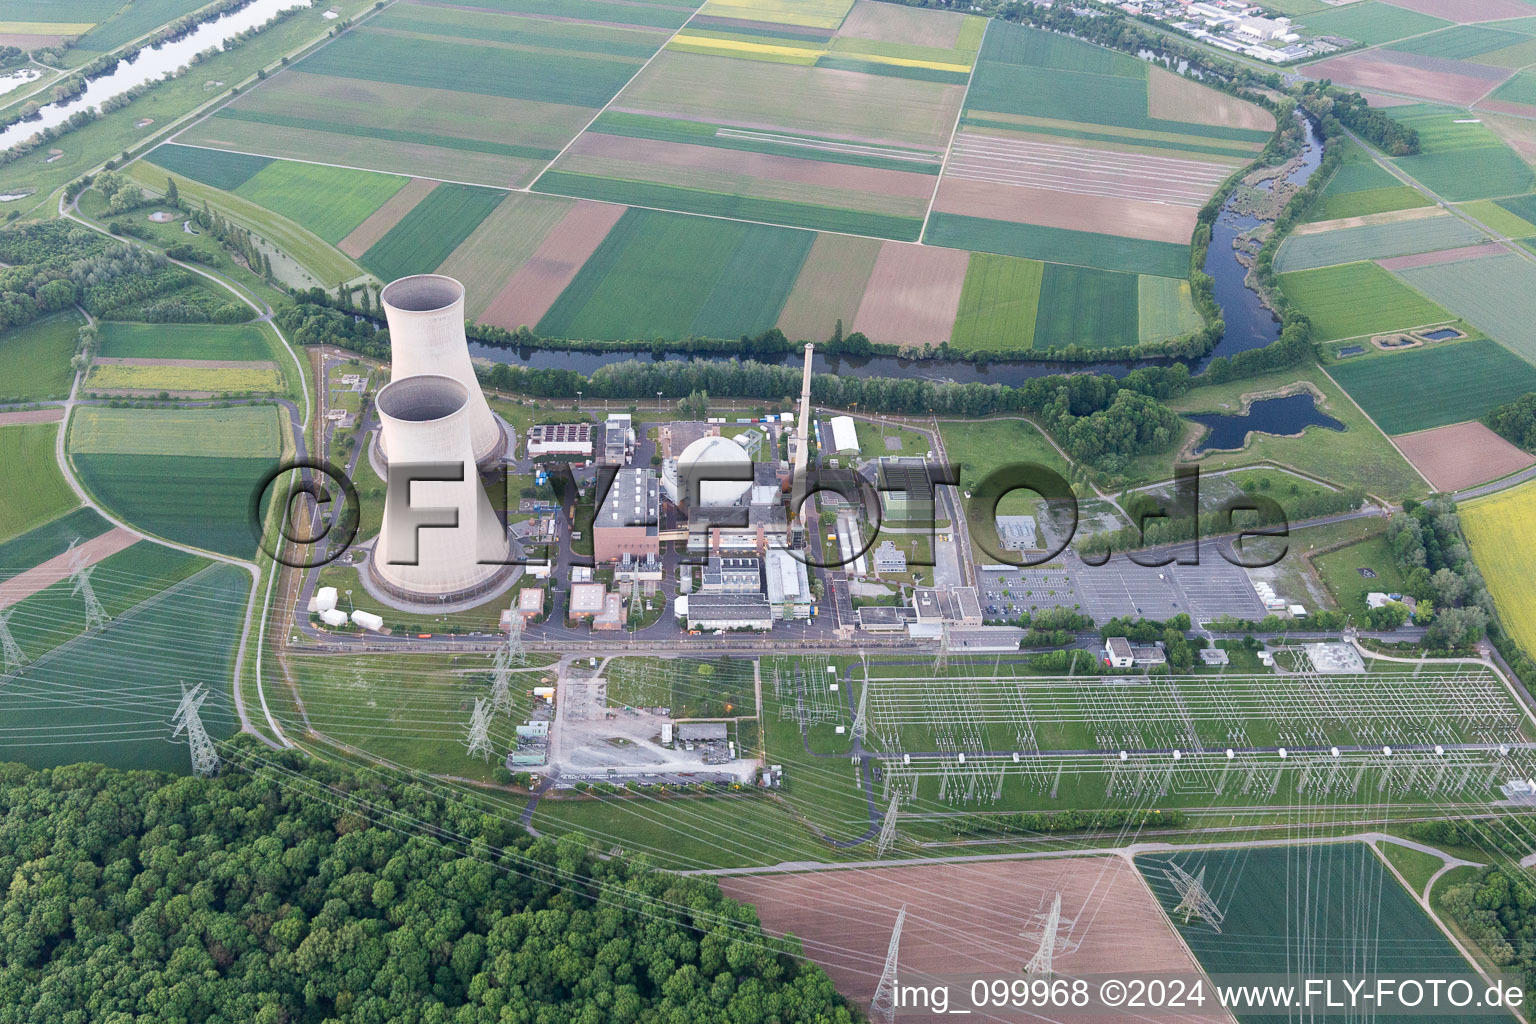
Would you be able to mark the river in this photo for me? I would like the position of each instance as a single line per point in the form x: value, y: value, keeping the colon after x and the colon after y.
x: 1250, y: 324
x: 149, y: 64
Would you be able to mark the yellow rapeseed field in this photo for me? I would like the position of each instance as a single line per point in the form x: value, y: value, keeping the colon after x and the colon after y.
x: 1502, y: 531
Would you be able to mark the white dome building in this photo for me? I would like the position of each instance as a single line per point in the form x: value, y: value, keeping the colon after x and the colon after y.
x: 718, y: 466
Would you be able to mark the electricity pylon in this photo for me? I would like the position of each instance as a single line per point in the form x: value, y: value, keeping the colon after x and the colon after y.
x: 882, y: 1008
x: 861, y: 720
x: 887, y: 829
x: 1194, y: 901
x: 479, y: 735
x: 15, y: 659
x: 205, y: 759
x: 95, y: 614
x: 1040, y: 965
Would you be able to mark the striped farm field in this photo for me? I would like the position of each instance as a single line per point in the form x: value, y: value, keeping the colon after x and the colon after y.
x: 184, y: 341
x: 239, y: 430
x: 1165, y: 309
x: 1358, y: 299
x: 431, y: 231
x: 500, y: 246
x: 998, y: 304
x: 1470, y: 378
x: 1498, y: 530
x: 552, y: 265
x: 1497, y: 295
x: 913, y: 295
x: 1376, y: 241
x: 1082, y: 307
x: 830, y: 286
x: 665, y: 275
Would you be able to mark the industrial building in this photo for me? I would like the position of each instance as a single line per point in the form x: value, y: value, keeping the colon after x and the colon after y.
x: 642, y: 572
x: 560, y: 439
x: 426, y: 333
x: 628, y: 521
x: 789, y: 585
x: 888, y: 558
x: 612, y: 615
x: 618, y: 440
x: 736, y: 529
x: 886, y: 618
x: 906, y: 489
x: 430, y: 419
x: 725, y: 611
x: 711, y: 472
x: 957, y: 606
x: 702, y: 732
x: 844, y: 435
x: 587, y: 600
x: 732, y: 574
x: 1120, y: 653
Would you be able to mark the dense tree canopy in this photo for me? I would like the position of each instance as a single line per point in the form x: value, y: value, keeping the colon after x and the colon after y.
x: 290, y: 890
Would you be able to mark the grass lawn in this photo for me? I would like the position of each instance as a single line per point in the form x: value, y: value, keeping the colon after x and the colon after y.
x: 875, y: 440
x: 1360, y: 456
x: 1358, y: 299
x: 691, y: 688
x: 35, y: 490
x: 36, y: 358
x: 979, y: 448
x: 1416, y: 866
x: 1469, y: 378
x: 1340, y: 571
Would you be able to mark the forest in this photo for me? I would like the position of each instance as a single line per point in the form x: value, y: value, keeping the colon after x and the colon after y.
x: 287, y: 889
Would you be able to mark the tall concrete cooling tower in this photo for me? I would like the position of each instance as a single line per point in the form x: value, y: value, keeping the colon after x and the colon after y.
x: 426, y: 335
x: 428, y: 419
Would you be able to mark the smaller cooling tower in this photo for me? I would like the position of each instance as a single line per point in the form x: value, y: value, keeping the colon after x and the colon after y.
x: 428, y: 420
x: 426, y: 335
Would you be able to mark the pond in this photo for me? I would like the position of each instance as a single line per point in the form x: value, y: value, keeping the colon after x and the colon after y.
x: 1282, y: 416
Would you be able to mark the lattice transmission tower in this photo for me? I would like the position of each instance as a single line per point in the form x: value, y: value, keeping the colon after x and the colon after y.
x: 15, y: 659
x: 205, y: 759
x: 1052, y: 942
x: 479, y: 735
x: 1194, y: 901
x: 882, y: 1008
x: 95, y: 615
x: 888, y: 828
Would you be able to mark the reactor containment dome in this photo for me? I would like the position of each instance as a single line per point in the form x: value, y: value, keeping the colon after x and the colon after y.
x: 441, y: 540
x: 716, y: 468
x: 426, y: 336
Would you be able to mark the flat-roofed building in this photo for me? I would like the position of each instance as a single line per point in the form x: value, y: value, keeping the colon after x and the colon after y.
x: 957, y: 606
x: 906, y: 489
x: 586, y: 600
x: 728, y: 611
x: 732, y: 574
x: 612, y: 615
x: 628, y: 523
x: 888, y: 558
x: 789, y: 585
x: 885, y: 618
x: 568, y: 439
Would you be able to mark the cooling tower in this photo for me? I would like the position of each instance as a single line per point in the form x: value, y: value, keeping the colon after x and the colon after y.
x: 426, y: 335
x: 427, y: 421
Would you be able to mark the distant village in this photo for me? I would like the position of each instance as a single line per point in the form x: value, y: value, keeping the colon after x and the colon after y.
x: 1237, y: 27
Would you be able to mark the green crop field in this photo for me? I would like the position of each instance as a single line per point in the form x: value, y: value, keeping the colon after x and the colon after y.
x: 1470, y: 378
x: 998, y: 304
x: 1333, y: 206
x: 435, y: 227
x: 1519, y: 89
x: 1498, y: 216
x: 1165, y: 309
x: 1461, y: 158
x: 1372, y: 22
x: 507, y: 27
x: 201, y: 501
x: 1307, y: 911
x: 1058, y: 245
x: 49, y: 540
x: 1376, y: 241
x: 185, y: 341
x: 666, y: 275
x: 244, y: 430
x: 111, y: 698
x: 1524, y: 209
x: 35, y: 490
x: 36, y: 358
x: 129, y: 22
x: 330, y: 201
x: 728, y: 204
x: 547, y: 77
x: 1011, y: 43
x: 1461, y: 42
x: 227, y: 171
x: 1497, y: 295
x: 1087, y: 308
x: 1358, y: 299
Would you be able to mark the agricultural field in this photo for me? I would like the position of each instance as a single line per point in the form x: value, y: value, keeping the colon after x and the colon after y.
x: 36, y: 358
x: 1498, y: 529
x: 1358, y: 299
x: 1362, y: 187
x: 830, y: 286
x: 22, y: 26
x: 131, y: 459
x: 1437, y: 79
x: 1470, y: 378
x: 1071, y: 153
x: 474, y: 95
x: 216, y: 378
x: 670, y: 276
x: 1461, y: 455
x: 998, y: 304
x: 176, y: 620
x: 431, y: 231
x: 1330, y: 907
x: 49, y: 540
x: 1165, y: 309
x: 1496, y: 294
x: 1309, y: 250
x: 37, y: 491
x: 235, y: 342
x: 1371, y: 22
x: 1460, y: 158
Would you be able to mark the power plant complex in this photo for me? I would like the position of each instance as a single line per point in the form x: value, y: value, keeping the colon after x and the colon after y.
x: 440, y: 541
